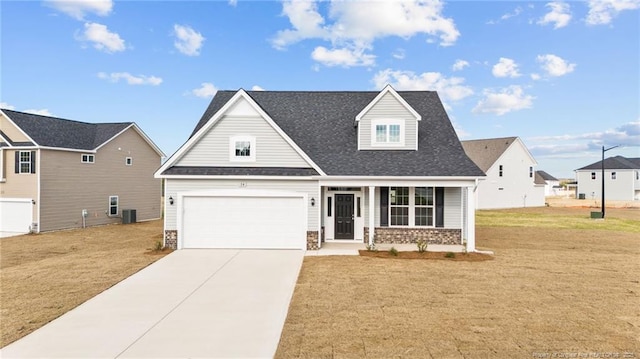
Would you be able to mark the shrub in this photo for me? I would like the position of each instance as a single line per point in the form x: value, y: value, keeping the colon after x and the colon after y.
x: 393, y: 251
x: 372, y: 248
x: 422, y: 245
x: 158, y: 246
x: 450, y: 255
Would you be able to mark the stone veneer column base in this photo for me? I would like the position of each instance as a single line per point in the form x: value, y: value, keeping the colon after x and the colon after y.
x: 399, y: 235
x: 312, y: 240
x: 171, y: 238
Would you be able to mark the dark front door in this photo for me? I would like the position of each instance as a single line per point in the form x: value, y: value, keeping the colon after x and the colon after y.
x: 344, y: 216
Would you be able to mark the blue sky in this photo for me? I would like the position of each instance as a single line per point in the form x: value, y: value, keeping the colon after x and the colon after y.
x: 563, y: 76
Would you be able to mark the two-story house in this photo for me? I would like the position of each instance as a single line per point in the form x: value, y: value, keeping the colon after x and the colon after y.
x: 57, y: 173
x: 293, y: 169
x: 621, y: 179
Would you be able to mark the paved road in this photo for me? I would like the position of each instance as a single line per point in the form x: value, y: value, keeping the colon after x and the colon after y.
x: 192, y: 303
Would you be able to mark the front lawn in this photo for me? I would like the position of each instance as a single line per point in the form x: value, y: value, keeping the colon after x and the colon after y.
x: 43, y: 276
x: 553, y: 289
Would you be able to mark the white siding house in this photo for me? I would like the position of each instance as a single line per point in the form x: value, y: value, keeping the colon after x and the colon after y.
x: 510, y: 170
x: 621, y: 178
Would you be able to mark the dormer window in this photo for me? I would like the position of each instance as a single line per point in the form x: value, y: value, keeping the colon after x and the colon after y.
x: 242, y: 149
x: 387, y: 133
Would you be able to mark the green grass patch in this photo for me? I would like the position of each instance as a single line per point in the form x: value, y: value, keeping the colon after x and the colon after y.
x: 554, y: 218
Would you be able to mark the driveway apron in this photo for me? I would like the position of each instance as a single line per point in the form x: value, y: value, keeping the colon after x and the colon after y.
x: 191, y: 304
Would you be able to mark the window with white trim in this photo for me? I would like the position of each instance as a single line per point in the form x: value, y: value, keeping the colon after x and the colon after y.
x: 387, y: 133
x: 87, y: 158
x: 613, y: 175
x: 113, y: 206
x: 25, y: 162
x: 1, y: 164
x: 593, y: 175
x: 128, y: 161
x: 242, y: 149
x: 530, y: 171
x: 399, y: 206
x: 500, y: 171
x: 423, y: 202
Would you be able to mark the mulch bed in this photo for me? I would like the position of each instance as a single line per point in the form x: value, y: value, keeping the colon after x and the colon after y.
x: 466, y: 257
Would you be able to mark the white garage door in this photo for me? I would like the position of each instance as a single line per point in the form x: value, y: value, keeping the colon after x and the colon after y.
x: 249, y: 221
x: 15, y: 216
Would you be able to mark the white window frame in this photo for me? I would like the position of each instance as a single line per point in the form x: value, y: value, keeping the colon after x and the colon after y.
x: 387, y: 123
x: 614, y: 175
x: 128, y: 161
x: 593, y: 176
x: 2, y: 179
x: 407, y: 206
x: 252, y: 149
x: 90, y: 158
x: 500, y: 170
x: 530, y: 171
x: 21, y: 162
x: 412, y: 208
x: 117, y: 206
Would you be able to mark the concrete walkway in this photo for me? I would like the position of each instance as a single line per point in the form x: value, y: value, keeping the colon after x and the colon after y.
x: 192, y: 303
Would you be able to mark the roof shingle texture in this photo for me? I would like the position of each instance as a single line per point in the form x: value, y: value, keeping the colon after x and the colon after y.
x: 615, y: 163
x: 322, y: 124
x: 56, y: 132
x: 545, y: 176
x: 486, y: 152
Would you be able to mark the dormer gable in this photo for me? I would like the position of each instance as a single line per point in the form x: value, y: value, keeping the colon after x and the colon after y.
x: 388, y: 122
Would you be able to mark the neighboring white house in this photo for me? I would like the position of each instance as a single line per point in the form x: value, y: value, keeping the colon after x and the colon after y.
x: 621, y: 179
x: 510, y: 169
x: 293, y: 169
x: 551, y: 184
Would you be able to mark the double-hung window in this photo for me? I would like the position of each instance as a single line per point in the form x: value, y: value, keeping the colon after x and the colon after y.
x: 387, y: 133
x: 423, y: 206
x: 242, y: 149
x: 113, y: 206
x: 399, y: 205
x: 24, y: 162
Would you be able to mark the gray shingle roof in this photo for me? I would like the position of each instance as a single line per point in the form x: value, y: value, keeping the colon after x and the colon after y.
x: 545, y: 176
x: 486, y: 152
x: 614, y: 163
x: 322, y: 125
x: 56, y: 132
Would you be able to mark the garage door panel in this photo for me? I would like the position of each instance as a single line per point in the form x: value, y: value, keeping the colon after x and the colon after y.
x: 15, y: 215
x: 244, y: 222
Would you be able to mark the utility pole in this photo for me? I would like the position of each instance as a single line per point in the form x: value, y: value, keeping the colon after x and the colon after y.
x: 602, y: 165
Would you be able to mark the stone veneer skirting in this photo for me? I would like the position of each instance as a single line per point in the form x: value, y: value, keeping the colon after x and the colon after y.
x: 399, y: 235
x: 312, y: 240
x: 171, y: 238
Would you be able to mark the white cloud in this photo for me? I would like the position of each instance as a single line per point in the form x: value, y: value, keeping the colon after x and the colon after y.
x: 517, y: 11
x: 102, y: 38
x: 256, y: 88
x: 505, y: 68
x: 535, y: 77
x: 449, y: 89
x: 79, y: 8
x: 602, y: 12
x: 206, y: 90
x: 41, y: 112
x: 627, y: 134
x: 459, y: 65
x: 188, y: 41
x: 6, y: 106
x: 347, y: 26
x: 342, y: 57
x: 560, y: 15
x: 130, y: 79
x: 554, y: 65
x: 506, y: 100
x: 233, y: 2
x: 398, y: 54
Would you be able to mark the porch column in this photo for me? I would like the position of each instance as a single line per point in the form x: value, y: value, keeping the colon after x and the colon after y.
x: 372, y: 213
x: 471, y: 219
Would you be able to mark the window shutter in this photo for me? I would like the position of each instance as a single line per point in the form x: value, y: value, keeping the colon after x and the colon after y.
x: 384, y: 207
x: 439, y: 206
x: 33, y: 161
x: 17, y: 161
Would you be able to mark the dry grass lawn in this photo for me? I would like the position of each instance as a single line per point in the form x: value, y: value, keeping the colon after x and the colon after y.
x: 561, y: 285
x: 45, y: 275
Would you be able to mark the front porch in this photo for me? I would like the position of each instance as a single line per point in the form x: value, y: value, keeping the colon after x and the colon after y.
x: 401, y: 212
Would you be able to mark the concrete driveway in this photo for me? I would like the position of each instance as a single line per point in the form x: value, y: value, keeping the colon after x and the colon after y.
x: 192, y: 303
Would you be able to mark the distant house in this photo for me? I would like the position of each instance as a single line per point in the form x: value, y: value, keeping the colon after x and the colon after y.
x: 621, y: 177
x: 509, y: 166
x: 57, y: 173
x: 551, y: 184
x: 293, y: 169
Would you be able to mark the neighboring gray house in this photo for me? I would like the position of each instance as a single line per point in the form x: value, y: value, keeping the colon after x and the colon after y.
x: 509, y: 166
x: 278, y: 169
x: 621, y: 177
x: 551, y: 184
x: 57, y: 173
